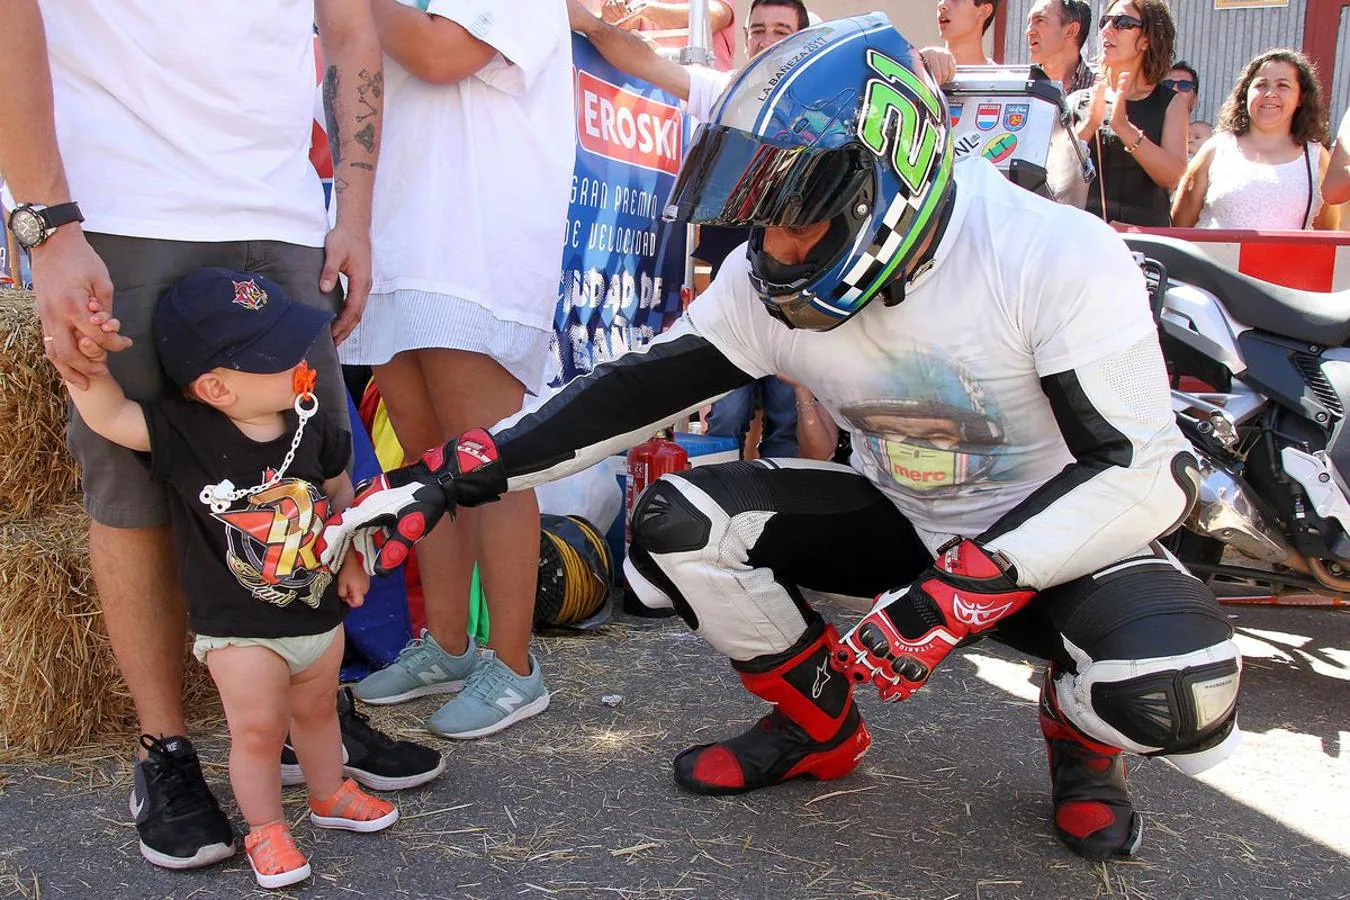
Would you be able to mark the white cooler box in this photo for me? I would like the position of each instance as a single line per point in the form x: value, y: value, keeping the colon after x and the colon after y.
x: 1015, y: 117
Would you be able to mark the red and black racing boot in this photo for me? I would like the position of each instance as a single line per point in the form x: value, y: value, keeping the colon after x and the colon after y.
x: 814, y: 730
x: 1093, y: 813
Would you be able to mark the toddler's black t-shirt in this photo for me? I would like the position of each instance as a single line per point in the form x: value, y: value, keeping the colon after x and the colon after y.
x: 251, y: 570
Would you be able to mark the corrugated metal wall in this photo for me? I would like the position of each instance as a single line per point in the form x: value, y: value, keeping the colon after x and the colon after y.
x: 1218, y: 42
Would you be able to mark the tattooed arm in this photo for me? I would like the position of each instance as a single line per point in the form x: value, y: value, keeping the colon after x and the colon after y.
x: 353, y: 102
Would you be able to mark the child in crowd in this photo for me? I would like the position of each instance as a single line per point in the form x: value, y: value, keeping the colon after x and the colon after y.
x: 1196, y: 135
x: 242, y: 450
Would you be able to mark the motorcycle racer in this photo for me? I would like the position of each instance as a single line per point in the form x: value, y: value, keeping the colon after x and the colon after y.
x: 1016, y: 456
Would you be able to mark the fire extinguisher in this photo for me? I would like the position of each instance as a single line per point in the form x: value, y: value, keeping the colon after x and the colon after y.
x: 647, y: 462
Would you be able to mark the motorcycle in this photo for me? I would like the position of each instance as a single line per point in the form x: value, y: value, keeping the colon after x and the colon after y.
x: 1260, y: 387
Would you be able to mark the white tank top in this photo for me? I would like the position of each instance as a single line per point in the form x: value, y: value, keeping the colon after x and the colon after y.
x: 1246, y: 194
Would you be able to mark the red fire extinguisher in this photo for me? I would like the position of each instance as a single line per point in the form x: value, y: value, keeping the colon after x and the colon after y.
x: 647, y: 462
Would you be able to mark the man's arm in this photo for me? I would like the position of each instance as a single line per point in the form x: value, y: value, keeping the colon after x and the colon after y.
x: 616, y: 405
x: 434, y: 48
x: 596, y: 415
x: 1132, y: 475
x: 1336, y: 184
x: 353, y: 101
x: 676, y: 15
x: 628, y: 53
x: 1328, y: 218
x: 66, y: 270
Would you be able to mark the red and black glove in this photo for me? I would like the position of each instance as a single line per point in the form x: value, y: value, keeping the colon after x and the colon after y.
x: 391, y: 512
x: 911, y: 629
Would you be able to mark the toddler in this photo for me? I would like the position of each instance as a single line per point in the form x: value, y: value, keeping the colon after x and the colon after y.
x: 242, y: 449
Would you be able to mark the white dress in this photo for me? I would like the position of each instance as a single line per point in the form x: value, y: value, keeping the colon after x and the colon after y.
x: 471, y: 197
x: 1251, y: 195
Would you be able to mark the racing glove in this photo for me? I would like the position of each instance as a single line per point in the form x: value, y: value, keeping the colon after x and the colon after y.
x: 911, y: 629
x: 393, y: 511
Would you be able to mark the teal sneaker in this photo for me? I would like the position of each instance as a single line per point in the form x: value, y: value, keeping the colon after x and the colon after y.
x: 494, y: 698
x: 422, y: 668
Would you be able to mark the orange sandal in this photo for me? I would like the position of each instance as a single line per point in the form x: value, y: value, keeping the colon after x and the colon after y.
x: 352, y: 809
x: 274, y: 857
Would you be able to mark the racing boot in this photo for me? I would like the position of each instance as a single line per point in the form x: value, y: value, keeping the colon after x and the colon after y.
x: 814, y: 730
x: 1093, y: 813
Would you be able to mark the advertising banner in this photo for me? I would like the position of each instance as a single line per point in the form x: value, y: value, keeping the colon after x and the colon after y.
x: 622, y: 267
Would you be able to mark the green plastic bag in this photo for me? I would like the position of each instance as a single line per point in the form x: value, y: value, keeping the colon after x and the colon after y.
x: 478, y: 611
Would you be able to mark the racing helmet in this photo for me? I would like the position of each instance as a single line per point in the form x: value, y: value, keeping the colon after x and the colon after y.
x: 840, y: 123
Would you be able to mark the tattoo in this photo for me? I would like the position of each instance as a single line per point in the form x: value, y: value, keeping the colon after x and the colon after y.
x: 367, y: 166
x: 330, y: 110
x: 369, y: 92
x: 339, y: 184
x: 366, y: 138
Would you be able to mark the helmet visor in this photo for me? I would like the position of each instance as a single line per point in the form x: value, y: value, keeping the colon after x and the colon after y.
x: 731, y: 177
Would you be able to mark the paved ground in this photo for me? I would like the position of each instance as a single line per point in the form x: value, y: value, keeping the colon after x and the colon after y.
x: 951, y: 802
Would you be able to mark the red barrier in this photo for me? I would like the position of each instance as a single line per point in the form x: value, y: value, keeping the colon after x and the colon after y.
x: 1309, y: 260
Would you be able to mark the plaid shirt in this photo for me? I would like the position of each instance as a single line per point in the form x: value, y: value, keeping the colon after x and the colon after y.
x: 1082, y: 77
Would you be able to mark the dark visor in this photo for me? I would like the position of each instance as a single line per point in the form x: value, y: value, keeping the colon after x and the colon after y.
x: 734, y: 178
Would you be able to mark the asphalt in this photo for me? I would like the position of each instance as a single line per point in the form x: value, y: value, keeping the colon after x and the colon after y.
x: 950, y: 803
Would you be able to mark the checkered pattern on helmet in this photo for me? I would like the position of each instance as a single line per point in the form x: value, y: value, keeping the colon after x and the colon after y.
x: 873, y: 261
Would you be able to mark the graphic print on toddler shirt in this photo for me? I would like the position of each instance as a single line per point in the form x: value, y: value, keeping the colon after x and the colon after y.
x: 937, y: 432
x: 272, y: 543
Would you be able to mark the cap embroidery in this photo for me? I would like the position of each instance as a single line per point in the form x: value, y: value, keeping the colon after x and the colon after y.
x: 248, y: 295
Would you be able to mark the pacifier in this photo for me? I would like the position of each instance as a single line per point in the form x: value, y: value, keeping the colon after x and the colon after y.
x: 302, y: 382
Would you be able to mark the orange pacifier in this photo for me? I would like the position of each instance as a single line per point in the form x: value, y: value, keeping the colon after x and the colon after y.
x: 302, y: 382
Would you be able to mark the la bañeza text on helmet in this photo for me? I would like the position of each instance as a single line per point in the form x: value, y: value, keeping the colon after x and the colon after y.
x: 874, y: 159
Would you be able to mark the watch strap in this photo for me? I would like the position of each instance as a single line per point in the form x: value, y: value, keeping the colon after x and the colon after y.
x: 61, y: 214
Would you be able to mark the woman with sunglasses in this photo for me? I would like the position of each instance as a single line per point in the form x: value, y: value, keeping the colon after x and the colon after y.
x: 1134, y: 127
x: 1265, y: 166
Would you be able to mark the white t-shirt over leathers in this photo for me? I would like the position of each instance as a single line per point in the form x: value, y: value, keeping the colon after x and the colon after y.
x: 188, y: 121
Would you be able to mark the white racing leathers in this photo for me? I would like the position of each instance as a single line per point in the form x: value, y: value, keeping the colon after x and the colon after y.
x: 1017, y: 396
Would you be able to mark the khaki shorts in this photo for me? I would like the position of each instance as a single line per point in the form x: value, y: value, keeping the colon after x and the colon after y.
x: 300, y: 652
x: 118, y: 491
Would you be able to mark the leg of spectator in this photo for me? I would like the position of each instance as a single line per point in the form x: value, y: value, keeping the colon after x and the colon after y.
x: 730, y: 416
x: 473, y: 390
x: 444, y: 557
x: 144, y: 612
x: 780, y: 418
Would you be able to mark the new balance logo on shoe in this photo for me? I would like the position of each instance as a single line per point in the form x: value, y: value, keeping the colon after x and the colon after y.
x: 510, y: 700
x: 432, y: 675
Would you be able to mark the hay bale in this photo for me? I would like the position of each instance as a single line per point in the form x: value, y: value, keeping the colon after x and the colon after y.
x: 59, y: 683
x: 38, y: 472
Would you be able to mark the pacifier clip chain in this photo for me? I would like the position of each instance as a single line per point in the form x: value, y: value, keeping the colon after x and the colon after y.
x: 221, y: 496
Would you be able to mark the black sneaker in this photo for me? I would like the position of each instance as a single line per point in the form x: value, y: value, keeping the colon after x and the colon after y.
x: 374, y: 759
x: 180, y: 823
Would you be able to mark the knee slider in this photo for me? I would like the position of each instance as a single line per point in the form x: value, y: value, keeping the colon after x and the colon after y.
x: 1182, y: 707
x: 665, y: 521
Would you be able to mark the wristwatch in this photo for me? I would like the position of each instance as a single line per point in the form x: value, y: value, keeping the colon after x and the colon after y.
x: 33, y: 224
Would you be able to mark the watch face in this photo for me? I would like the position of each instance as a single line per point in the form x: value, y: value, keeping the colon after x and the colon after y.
x: 27, y: 227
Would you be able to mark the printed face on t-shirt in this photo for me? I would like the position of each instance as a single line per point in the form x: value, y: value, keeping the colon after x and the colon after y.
x: 938, y: 432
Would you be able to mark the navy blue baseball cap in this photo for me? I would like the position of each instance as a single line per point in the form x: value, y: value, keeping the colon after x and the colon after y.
x: 216, y: 318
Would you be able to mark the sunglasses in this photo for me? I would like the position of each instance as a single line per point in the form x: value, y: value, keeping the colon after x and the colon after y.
x: 1184, y: 85
x: 1120, y: 22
